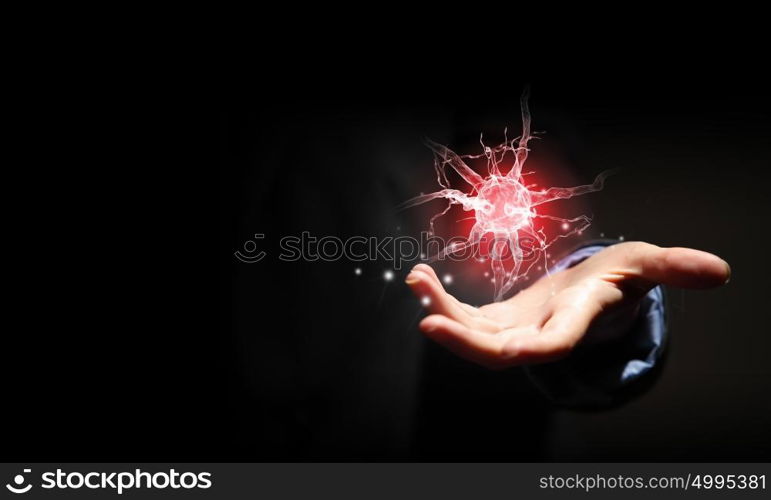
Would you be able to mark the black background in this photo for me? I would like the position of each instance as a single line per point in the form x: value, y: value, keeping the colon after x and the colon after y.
x: 154, y: 343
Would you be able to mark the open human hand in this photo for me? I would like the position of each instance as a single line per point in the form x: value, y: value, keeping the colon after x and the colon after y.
x: 546, y: 321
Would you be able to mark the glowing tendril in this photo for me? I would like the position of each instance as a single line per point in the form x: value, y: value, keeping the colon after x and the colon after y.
x: 503, y: 205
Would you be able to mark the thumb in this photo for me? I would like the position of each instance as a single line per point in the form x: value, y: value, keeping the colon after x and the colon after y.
x: 683, y: 267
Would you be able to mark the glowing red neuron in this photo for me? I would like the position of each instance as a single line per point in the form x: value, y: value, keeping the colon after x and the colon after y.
x: 503, y: 205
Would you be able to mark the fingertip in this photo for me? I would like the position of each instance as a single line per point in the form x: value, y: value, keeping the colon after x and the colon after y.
x: 699, y: 269
x: 430, y: 324
x: 417, y: 278
x: 428, y: 270
x: 686, y: 268
x: 433, y: 297
x: 413, y: 278
x: 422, y: 267
x: 424, y: 286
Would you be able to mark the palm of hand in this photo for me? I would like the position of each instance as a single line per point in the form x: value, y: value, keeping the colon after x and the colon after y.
x: 546, y: 321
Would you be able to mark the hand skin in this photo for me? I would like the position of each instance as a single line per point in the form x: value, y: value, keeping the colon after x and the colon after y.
x: 546, y: 321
